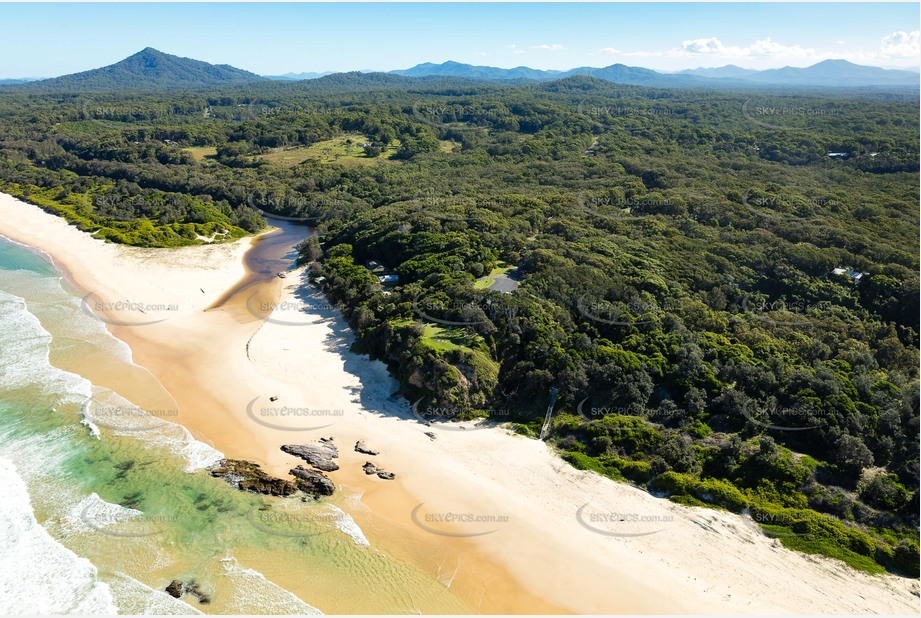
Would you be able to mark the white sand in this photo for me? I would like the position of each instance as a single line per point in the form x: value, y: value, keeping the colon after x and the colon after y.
x: 694, y: 560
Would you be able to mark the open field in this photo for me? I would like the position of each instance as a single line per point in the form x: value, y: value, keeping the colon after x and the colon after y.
x: 345, y: 150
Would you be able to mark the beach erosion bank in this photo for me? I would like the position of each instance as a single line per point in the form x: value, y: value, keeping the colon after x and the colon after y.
x: 496, y: 517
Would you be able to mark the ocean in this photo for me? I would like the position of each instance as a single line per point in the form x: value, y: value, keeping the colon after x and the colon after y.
x: 103, y: 504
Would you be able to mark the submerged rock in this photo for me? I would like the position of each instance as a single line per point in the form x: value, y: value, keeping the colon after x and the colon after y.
x: 248, y: 476
x: 177, y: 589
x: 319, y: 455
x: 361, y: 448
x: 313, y: 482
x: 387, y: 476
x: 174, y: 589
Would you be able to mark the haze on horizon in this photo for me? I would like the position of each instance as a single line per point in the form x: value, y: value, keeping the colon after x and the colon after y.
x: 274, y: 39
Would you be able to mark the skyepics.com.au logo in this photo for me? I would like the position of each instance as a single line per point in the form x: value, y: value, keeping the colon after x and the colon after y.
x: 461, y: 312
x: 272, y: 206
x: 453, y: 116
x: 118, y: 312
x: 113, y: 113
x: 288, y: 116
x: 127, y: 523
x: 776, y: 209
x: 621, y: 524
x: 780, y: 418
x: 782, y: 117
x: 595, y: 413
x: 457, y: 523
x: 781, y: 312
x: 445, y: 417
x: 292, y: 524
x: 289, y: 312
x: 449, y: 207
x: 772, y: 526
x: 610, y: 114
x: 633, y: 312
x: 623, y: 208
x: 282, y: 417
x: 133, y: 207
x: 127, y: 418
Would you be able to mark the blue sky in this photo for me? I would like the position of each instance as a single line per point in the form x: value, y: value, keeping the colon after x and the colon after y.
x: 43, y: 40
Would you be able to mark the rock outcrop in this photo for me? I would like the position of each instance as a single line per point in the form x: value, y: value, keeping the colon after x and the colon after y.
x: 248, y: 476
x: 320, y: 455
x: 313, y: 482
x: 364, y: 450
x: 177, y: 589
x: 372, y: 468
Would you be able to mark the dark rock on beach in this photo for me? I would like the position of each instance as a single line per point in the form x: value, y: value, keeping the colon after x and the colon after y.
x: 319, y: 455
x: 313, y: 482
x: 361, y: 448
x: 177, y: 589
x: 371, y: 468
x: 248, y: 476
x: 174, y: 589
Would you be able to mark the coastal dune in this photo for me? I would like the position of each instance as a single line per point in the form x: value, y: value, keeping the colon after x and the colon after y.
x: 497, y: 517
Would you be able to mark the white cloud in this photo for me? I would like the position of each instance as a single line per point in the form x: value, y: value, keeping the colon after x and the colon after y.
x: 764, y: 48
x: 901, y: 44
x: 609, y: 50
x: 554, y: 47
x: 898, y: 48
x: 704, y: 46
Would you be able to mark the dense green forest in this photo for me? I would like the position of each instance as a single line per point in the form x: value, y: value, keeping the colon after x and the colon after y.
x: 721, y: 288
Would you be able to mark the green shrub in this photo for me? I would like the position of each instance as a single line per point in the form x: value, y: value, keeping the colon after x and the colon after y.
x: 671, y: 483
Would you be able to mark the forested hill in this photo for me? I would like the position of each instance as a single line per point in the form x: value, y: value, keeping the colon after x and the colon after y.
x: 149, y: 69
x: 721, y: 288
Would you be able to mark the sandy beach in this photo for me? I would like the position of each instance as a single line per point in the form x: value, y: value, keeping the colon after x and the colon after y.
x: 497, y: 517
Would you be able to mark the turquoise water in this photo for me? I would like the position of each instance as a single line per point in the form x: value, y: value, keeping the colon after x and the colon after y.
x: 98, y: 516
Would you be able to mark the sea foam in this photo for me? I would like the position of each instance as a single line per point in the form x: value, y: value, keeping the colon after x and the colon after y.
x: 38, y: 575
x: 255, y: 594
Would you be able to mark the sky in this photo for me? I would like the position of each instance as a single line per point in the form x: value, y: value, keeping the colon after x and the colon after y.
x: 47, y: 40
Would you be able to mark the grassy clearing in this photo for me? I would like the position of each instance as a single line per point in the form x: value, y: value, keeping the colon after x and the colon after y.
x: 484, y: 282
x: 200, y: 153
x: 445, y: 338
x: 345, y: 150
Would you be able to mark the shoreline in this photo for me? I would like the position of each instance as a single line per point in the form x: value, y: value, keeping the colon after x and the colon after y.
x: 541, y: 559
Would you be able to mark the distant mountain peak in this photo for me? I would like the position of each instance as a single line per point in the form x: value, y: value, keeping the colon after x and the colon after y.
x: 149, y: 69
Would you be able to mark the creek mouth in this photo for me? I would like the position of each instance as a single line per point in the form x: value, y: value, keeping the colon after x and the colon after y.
x: 251, y: 298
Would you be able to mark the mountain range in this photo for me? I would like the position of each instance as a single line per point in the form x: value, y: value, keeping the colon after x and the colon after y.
x: 151, y: 69
x: 828, y: 73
